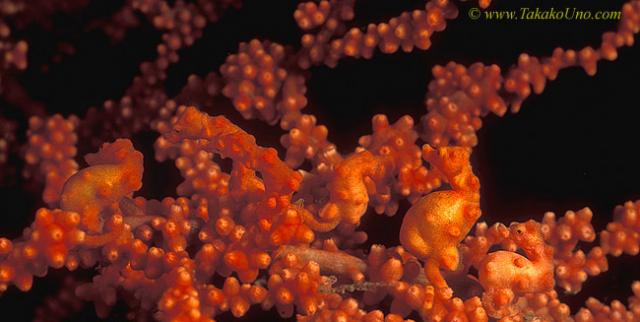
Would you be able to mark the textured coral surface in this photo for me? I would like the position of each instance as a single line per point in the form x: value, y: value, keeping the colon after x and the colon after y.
x: 331, y: 160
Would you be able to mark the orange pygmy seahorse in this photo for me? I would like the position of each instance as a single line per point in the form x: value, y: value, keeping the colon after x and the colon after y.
x: 435, y: 225
x: 506, y: 274
x: 349, y: 197
x: 114, y: 172
x: 228, y: 140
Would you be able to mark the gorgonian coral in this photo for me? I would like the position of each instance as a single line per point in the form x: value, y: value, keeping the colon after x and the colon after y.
x: 254, y: 226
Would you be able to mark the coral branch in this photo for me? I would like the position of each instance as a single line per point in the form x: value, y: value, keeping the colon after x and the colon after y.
x: 284, y: 232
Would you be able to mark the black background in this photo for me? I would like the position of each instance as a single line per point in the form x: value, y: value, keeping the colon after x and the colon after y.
x: 573, y: 146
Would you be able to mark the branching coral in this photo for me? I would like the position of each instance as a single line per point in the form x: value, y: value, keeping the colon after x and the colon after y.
x: 284, y: 230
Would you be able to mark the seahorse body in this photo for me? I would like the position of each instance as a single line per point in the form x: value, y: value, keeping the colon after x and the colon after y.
x: 114, y: 172
x: 437, y: 223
